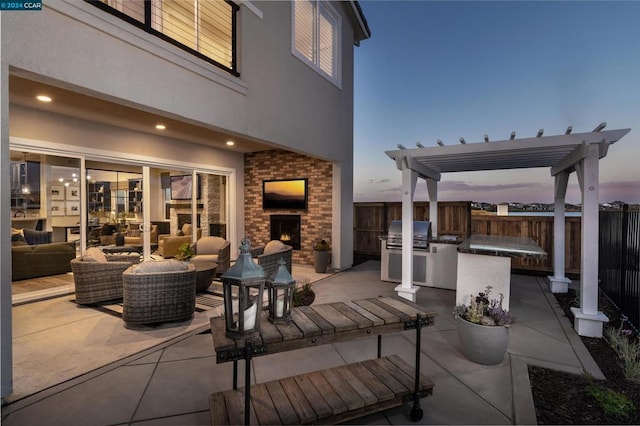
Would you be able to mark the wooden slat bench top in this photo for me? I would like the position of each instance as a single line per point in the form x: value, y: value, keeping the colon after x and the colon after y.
x: 322, y: 324
x: 328, y: 396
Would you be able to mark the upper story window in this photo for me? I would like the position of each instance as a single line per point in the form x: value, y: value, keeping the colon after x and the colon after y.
x: 316, y: 37
x: 206, y: 28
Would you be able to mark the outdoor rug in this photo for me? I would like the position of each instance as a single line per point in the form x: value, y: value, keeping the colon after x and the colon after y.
x: 204, y: 302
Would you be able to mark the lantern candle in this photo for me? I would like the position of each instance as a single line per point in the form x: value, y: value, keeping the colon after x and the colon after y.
x: 280, y: 307
x: 250, y: 317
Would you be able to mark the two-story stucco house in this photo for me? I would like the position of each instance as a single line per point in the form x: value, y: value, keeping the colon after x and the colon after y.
x: 112, y: 111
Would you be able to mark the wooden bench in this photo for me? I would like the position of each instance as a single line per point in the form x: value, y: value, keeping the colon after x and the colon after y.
x: 328, y: 396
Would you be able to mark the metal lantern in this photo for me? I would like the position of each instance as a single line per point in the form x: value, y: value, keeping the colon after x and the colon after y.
x: 280, y: 287
x: 243, y: 286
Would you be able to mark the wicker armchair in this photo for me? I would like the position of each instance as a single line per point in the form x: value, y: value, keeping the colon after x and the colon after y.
x: 100, y: 281
x: 269, y: 255
x: 210, y: 250
x: 158, y: 291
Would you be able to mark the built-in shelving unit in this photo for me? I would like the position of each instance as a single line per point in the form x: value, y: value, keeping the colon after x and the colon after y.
x: 135, y: 195
x: 99, y: 196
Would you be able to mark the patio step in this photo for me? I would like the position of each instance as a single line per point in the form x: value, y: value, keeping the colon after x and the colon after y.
x: 328, y: 396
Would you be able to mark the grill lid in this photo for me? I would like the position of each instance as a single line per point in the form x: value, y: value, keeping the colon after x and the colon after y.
x: 420, y: 238
x: 421, y: 228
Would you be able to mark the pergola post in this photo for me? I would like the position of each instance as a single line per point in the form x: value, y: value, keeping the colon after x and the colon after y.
x: 588, y: 320
x: 406, y: 289
x: 432, y: 190
x: 559, y: 282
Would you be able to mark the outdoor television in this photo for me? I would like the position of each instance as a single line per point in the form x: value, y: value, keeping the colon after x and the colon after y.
x: 181, y: 187
x: 288, y: 194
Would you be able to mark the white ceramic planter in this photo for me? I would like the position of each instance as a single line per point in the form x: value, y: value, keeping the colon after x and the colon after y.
x: 481, y: 343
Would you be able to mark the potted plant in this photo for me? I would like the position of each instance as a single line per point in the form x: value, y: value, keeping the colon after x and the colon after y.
x: 304, y: 295
x: 321, y: 255
x: 483, y: 328
x: 186, y: 252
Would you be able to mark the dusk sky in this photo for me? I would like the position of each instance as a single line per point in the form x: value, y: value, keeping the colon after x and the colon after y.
x: 444, y: 70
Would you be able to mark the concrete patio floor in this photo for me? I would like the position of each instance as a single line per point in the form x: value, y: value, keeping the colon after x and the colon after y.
x: 169, y: 384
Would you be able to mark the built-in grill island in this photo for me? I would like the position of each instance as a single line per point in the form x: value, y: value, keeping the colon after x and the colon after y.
x: 434, y: 260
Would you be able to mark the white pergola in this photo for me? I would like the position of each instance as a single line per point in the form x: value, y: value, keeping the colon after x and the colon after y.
x: 579, y: 152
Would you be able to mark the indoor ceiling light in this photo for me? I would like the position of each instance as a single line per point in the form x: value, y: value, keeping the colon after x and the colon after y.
x: 44, y: 98
x: 160, y: 126
x: 230, y: 143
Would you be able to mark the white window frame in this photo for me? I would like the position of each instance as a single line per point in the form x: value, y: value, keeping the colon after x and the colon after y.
x: 328, y: 10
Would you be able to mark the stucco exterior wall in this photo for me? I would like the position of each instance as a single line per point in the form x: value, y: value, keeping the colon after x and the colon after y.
x: 277, y: 99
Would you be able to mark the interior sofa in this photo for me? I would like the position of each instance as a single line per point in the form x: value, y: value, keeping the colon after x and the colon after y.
x: 168, y: 244
x: 34, y: 255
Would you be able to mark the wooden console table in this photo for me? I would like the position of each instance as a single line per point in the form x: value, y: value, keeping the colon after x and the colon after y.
x: 377, y: 385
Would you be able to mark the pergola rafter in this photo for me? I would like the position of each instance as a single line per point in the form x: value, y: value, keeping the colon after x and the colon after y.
x: 563, y: 154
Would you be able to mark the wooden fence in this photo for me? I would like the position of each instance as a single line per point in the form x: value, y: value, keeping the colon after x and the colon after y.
x: 540, y: 229
x: 371, y: 220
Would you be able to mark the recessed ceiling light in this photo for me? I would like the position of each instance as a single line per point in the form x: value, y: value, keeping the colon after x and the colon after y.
x: 230, y: 143
x: 160, y: 126
x: 44, y: 98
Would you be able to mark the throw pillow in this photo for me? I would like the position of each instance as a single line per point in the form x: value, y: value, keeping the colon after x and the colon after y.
x: 34, y: 237
x: 160, y: 266
x: 94, y: 254
x: 274, y: 246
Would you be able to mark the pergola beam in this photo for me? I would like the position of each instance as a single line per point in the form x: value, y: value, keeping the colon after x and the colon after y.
x: 423, y: 171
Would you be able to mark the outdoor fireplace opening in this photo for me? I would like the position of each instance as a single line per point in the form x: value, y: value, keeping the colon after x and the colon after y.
x: 286, y: 228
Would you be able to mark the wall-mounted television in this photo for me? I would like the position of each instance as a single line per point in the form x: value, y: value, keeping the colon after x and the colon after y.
x: 290, y: 194
x: 182, y: 187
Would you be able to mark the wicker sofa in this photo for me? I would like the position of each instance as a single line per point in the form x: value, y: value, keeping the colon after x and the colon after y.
x: 269, y: 255
x: 98, y: 276
x: 158, y: 291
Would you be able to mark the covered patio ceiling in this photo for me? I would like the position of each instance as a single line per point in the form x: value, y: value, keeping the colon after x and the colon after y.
x: 563, y: 154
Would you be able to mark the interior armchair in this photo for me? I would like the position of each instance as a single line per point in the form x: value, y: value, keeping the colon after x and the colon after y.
x: 213, y: 250
x: 135, y: 236
x: 168, y: 244
x: 269, y: 255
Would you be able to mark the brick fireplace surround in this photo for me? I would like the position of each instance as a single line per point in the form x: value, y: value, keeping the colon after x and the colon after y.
x: 279, y: 164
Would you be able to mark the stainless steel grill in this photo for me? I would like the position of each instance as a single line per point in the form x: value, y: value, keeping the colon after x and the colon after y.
x: 421, y: 234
